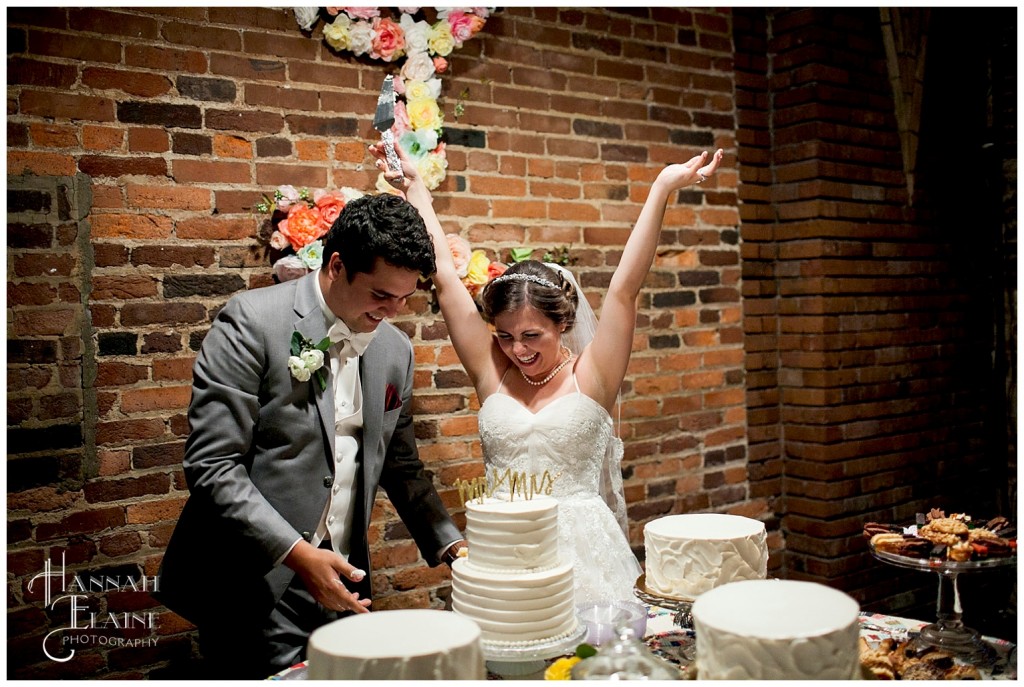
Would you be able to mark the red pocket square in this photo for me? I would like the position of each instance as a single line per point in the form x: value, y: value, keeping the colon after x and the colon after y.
x: 391, y: 398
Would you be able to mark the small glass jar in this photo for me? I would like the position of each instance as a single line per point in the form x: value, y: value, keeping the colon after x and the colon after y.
x: 625, y: 658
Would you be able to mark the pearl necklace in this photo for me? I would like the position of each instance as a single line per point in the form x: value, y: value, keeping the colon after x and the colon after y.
x: 551, y: 375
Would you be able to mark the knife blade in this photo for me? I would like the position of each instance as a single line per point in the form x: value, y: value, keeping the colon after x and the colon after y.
x: 384, y: 119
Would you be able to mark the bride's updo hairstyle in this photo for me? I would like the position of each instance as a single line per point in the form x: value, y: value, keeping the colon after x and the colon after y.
x: 532, y: 283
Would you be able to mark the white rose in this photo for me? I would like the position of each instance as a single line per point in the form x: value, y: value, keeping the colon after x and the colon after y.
x: 360, y: 37
x: 435, y: 87
x: 418, y: 67
x: 313, y: 359
x: 416, y: 34
x: 298, y: 368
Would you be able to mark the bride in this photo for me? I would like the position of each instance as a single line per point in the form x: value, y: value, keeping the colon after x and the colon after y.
x: 548, y: 376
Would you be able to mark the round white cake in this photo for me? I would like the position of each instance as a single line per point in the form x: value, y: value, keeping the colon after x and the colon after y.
x: 776, y: 630
x: 688, y: 555
x: 513, y: 583
x: 416, y: 644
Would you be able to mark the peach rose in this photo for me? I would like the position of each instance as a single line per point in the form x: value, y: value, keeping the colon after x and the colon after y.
x: 460, y: 253
x: 301, y: 226
x: 388, y: 40
x: 440, y: 64
x: 330, y: 204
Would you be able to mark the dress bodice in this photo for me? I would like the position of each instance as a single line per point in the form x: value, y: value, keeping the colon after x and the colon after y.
x: 567, y: 438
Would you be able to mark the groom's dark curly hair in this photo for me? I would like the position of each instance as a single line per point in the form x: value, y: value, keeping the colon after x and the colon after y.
x: 380, y: 226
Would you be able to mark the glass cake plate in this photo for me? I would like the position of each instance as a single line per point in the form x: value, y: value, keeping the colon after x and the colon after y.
x: 948, y: 631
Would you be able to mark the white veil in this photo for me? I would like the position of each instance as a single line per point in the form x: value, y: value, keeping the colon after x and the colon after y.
x: 576, y: 339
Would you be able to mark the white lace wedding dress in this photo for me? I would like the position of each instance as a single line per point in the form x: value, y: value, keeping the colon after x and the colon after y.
x: 569, y: 438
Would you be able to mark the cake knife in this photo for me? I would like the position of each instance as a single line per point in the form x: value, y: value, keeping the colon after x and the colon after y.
x: 384, y: 119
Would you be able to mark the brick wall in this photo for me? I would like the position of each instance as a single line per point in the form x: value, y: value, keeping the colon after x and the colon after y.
x: 139, y: 141
x: 872, y: 318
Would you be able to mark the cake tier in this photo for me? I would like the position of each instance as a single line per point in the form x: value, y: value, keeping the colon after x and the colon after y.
x: 688, y: 555
x: 513, y: 535
x: 416, y: 644
x: 515, y: 607
x: 776, y: 630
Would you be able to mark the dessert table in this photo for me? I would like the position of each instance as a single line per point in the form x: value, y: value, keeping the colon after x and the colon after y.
x: 664, y: 638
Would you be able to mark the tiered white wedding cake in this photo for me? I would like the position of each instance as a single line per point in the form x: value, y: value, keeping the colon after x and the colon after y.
x: 415, y: 644
x: 776, y: 630
x: 688, y: 555
x: 513, y: 583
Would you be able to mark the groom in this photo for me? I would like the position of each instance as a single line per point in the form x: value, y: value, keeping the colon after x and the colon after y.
x: 283, y: 461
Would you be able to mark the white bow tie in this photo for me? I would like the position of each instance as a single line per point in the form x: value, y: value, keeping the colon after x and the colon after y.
x: 339, y: 331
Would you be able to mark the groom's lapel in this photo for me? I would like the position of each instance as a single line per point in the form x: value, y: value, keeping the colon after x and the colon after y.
x: 311, y: 325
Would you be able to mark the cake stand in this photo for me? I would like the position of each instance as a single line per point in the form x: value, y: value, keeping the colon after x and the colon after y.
x: 682, y: 618
x: 523, y: 660
x: 948, y: 632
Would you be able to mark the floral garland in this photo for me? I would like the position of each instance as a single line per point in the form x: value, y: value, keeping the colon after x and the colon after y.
x: 421, y: 49
x: 300, y: 219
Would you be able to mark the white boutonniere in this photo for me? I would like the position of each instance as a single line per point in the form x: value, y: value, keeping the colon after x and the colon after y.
x: 307, y: 359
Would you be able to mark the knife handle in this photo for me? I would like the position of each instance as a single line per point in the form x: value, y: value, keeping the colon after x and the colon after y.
x: 389, y: 153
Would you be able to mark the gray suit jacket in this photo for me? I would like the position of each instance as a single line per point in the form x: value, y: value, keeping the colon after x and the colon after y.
x: 259, y: 458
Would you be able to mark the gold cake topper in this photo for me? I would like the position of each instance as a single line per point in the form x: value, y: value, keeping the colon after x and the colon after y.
x: 527, y: 485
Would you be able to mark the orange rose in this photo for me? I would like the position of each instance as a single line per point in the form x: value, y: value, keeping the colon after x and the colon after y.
x: 330, y: 205
x: 496, y: 269
x: 302, y: 226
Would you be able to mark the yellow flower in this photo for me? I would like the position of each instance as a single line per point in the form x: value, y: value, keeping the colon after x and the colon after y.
x: 417, y: 90
x: 440, y: 41
x: 424, y: 114
x: 478, y: 264
x: 432, y: 169
x: 337, y: 33
x: 561, y: 669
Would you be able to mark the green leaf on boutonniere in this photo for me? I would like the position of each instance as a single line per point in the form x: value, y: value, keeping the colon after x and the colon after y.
x: 297, y: 341
x: 324, y: 344
x: 321, y: 379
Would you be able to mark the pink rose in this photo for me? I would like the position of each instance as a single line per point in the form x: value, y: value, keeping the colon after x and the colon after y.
x: 461, y: 25
x: 460, y: 253
x: 388, y: 40
x: 399, y: 84
x: 330, y: 204
x: 401, y: 119
x: 289, y: 195
x: 440, y: 64
x: 362, y: 12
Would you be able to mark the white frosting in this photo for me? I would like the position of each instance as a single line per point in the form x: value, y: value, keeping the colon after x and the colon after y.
x: 512, y: 583
x: 776, y: 630
x: 417, y: 644
x: 688, y: 555
x: 512, y: 535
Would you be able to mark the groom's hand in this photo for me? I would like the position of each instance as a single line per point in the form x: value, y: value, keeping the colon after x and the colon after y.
x: 321, y: 571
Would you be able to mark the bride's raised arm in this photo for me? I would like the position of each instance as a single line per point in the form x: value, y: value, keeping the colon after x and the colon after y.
x: 469, y: 333
x: 606, y: 361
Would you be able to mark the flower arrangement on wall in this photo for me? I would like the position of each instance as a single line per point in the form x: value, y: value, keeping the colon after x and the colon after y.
x: 300, y: 218
x: 419, y: 49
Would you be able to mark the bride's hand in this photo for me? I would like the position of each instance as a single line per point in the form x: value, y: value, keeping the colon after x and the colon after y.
x: 692, y: 171
x: 410, y: 176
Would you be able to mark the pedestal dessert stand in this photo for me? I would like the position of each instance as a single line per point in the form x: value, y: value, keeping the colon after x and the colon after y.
x: 522, y: 661
x: 948, y: 632
x: 682, y: 617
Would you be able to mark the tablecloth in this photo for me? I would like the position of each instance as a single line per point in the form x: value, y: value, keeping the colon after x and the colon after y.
x: 664, y: 638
